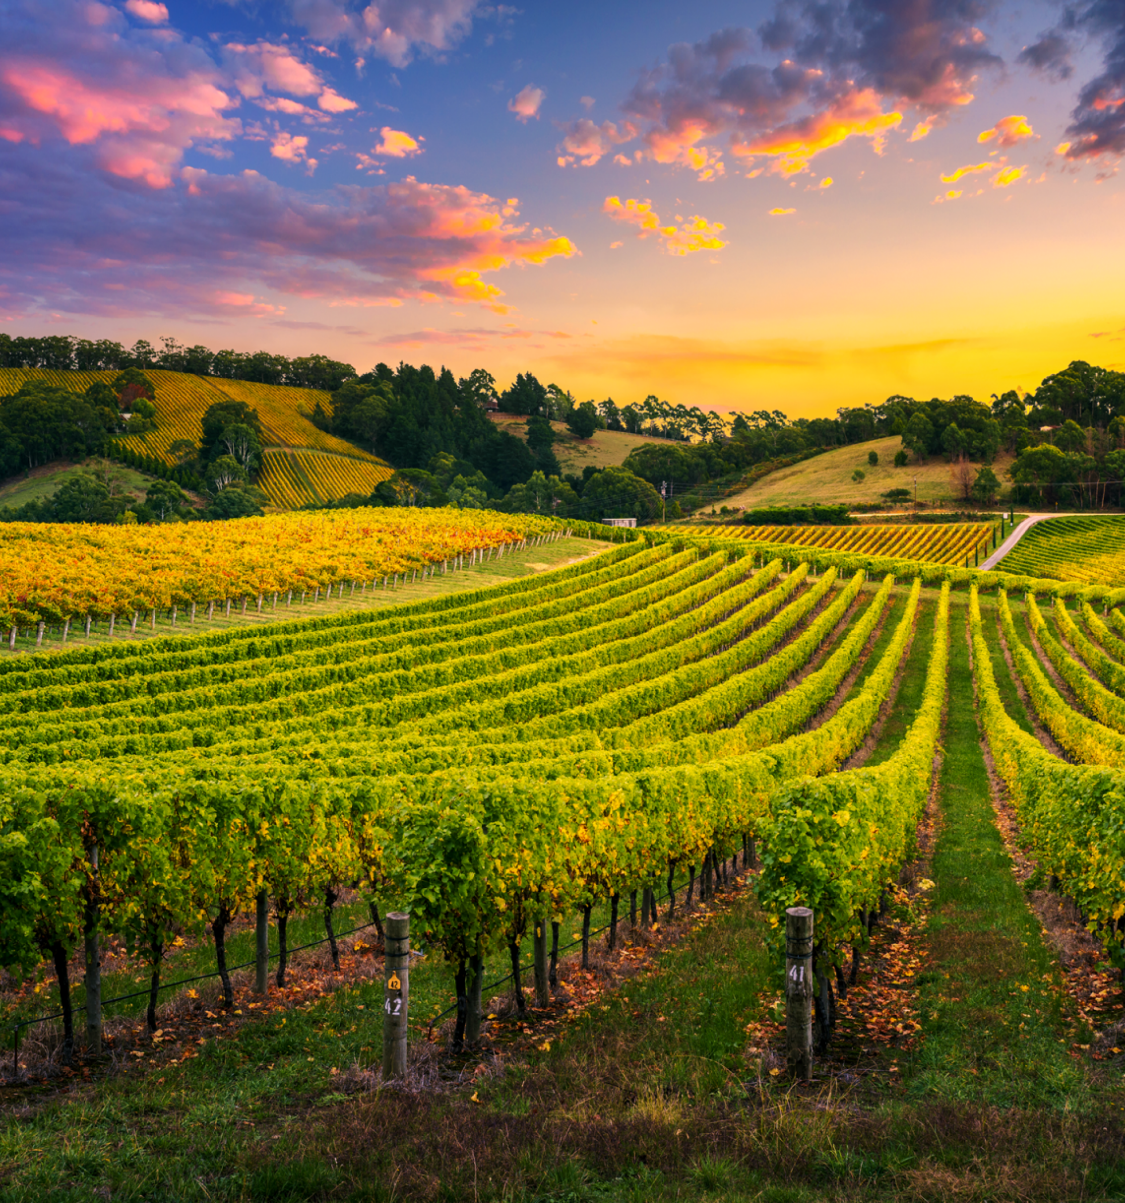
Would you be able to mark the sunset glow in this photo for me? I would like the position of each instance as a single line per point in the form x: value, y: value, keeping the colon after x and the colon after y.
x: 732, y: 206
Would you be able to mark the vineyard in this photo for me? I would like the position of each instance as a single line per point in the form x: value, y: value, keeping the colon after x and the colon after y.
x: 956, y: 543
x: 511, y: 756
x: 1076, y: 548
x: 302, y: 463
x: 53, y: 575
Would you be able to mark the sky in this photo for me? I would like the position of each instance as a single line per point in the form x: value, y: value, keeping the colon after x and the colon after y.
x: 779, y: 205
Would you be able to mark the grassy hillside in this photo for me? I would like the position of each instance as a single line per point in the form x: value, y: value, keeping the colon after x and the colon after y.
x: 827, y: 479
x: 607, y: 449
x: 302, y: 463
x: 45, y: 482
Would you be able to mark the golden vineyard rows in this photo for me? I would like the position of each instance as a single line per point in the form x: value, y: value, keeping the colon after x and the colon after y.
x: 945, y: 544
x: 52, y: 572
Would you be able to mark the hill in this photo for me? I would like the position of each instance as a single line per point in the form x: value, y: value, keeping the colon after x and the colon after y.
x: 607, y: 448
x: 302, y: 463
x: 827, y: 479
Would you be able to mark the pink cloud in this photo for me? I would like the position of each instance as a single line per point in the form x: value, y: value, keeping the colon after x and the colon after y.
x: 586, y: 143
x: 390, y: 29
x: 331, y: 102
x: 397, y: 144
x: 147, y: 10
x: 264, y: 65
x: 290, y: 148
x: 525, y: 104
x: 141, y: 121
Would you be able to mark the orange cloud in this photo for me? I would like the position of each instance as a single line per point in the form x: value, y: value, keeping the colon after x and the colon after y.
x: 949, y: 91
x: 525, y: 104
x: 1008, y: 131
x: 920, y: 131
x: 397, y: 144
x: 827, y: 182
x: 1009, y: 175
x: 682, y: 237
x: 953, y: 177
x: 859, y: 113
x: 679, y: 146
x: 781, y: 212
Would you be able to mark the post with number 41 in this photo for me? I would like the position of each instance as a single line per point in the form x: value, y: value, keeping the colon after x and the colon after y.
x: 396, y: 994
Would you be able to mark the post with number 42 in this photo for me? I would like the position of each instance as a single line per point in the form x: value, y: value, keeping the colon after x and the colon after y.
x: 799, y: 991
x: 396, y: 994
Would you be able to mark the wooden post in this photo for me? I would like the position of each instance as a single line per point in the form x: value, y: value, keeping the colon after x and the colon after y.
x: 93, y: 957
x: 396, y: 994
x: 798, y: 991
x: 539, y: 943
x: 262, y: 946
x: 472, y: 1019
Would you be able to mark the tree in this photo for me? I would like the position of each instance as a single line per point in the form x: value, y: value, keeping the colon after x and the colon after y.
x: 411, y: 487
x: 241, y: 443
x: 873, y: 458
x: 918, y: 436
x: 221, y: 415
x: 583, y: 420
x: 526, y: 396
x: 901, y: 458
x: 184, y: 452
x: 617, y: 493
x: 859, y: 476
x: 1070, y: 436
x: 540, y: 495
x: 953, y: 442
x: 236, y: 503
x: 131, y: 384
x: 83, y: 498
x: 222, y: 473
x: 466, y: 495
x: 479, y: 388
x: 360, y: 410
x: 540, y: 434
x: 164, y: 499
x: 986, y: 486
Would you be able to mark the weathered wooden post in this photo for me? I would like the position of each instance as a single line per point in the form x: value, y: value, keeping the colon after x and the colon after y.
x: 396, y: 994
x: 262, y: 947
x: 539, y: 941
x: 798, y: 991
x: 93, y: 953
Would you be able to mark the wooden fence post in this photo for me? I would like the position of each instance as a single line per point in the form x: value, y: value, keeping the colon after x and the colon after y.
x: 262, y: 947
x: 798, y: 991
x: 396, y: 994
x: 539, y: 943
x: 93, y: 956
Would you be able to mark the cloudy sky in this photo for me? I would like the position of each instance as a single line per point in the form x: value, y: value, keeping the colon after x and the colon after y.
x: 782, y: 205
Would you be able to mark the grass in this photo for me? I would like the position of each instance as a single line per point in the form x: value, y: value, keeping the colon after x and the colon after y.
x: 827, y: 479
x: 997, y: 1027
x: 607, y: 448
x: 45, y: 481
x: 493, y: 572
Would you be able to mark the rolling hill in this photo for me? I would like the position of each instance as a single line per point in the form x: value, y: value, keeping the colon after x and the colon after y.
x: 827, y: 479
x: 301, y: 464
